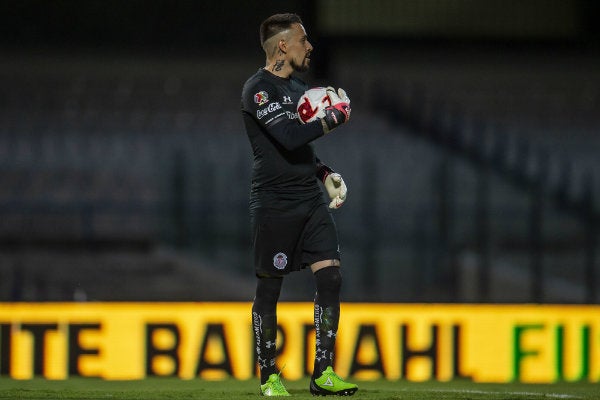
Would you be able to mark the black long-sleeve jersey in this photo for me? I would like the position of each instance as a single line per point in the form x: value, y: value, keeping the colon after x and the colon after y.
x: 285, y: 164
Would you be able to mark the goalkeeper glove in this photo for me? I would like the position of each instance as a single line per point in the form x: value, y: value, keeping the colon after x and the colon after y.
x: 337, y: 97
x: 339, y: 110
x: 336, y: 189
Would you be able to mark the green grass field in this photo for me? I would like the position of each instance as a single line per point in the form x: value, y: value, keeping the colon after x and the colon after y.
x: 176, y: 389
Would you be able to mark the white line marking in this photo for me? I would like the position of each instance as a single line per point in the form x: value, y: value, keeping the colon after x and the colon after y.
x: 496, y: 392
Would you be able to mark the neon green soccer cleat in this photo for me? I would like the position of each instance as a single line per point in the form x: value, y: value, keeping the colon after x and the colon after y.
x: 273, y: 387
x: 331, y: 384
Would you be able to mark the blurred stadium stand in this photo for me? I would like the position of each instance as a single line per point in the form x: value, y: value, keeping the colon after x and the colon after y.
x: 471, y: 160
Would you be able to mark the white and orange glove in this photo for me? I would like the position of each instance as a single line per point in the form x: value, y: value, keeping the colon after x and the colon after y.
x: 336, y: 189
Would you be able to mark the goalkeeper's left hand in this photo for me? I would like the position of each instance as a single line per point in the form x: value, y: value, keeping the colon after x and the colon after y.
x: 339, y: 110
x: 336, y: 188
x: 338, y: 96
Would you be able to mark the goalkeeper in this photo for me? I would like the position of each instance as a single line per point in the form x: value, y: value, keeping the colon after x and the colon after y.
x: 292, y: 225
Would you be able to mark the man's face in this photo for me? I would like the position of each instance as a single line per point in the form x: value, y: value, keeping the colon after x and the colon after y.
x: 298, y: 48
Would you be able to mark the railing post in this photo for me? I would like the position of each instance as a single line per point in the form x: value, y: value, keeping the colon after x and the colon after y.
x: 535, y: 242
x: 178, y: 203
x: 369, y: 212
x: 591, y: 232
x: 482, y: 209
x: 536, y: 228
x: 444, y: 261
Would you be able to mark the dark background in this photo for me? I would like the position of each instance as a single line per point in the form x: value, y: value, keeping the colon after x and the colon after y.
x: 471, y: 157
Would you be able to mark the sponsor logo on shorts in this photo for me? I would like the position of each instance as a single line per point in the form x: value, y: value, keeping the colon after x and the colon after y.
x: 261, y: 98
x: 280, y: 260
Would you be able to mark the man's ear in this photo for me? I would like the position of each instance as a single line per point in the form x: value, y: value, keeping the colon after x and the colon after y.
x: 282, y: 46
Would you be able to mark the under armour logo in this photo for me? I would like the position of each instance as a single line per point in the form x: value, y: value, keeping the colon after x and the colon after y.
x: 262, y: 363
x: 287, y: 99
x: 320, y: 355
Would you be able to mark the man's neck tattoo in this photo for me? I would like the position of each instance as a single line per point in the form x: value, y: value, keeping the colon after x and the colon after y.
x: 278, y: 65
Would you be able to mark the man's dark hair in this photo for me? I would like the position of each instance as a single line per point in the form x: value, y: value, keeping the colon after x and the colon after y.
x: 275, y: 24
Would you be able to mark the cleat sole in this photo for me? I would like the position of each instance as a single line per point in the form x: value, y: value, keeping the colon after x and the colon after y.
x: 316, y: 391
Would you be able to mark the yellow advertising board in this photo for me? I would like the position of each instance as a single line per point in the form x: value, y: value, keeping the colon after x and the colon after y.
x: 417, y: 342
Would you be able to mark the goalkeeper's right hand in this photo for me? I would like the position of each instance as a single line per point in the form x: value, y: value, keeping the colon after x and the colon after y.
x: 339, y: 110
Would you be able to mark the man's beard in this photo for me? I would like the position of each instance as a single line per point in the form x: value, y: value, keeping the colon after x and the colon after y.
x: 302, y: 67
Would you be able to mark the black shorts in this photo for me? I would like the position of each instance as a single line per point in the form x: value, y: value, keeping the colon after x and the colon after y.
x: 286, y: 242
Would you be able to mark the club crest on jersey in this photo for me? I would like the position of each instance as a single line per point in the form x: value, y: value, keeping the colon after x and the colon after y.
x: 280, y: 260
x: 261, y: 98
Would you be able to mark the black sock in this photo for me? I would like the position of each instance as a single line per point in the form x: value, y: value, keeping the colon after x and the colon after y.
x: 264, y: 322
x: 327, y: 315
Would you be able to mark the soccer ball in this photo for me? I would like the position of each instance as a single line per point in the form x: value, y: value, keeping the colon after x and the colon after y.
x: 312, y: 104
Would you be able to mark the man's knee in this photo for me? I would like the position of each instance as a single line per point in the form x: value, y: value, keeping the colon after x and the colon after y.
x: 329, y: 279
x: 267, y: 291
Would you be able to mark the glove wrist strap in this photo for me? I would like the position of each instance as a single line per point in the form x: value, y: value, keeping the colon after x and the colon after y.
x: 323, y: 171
